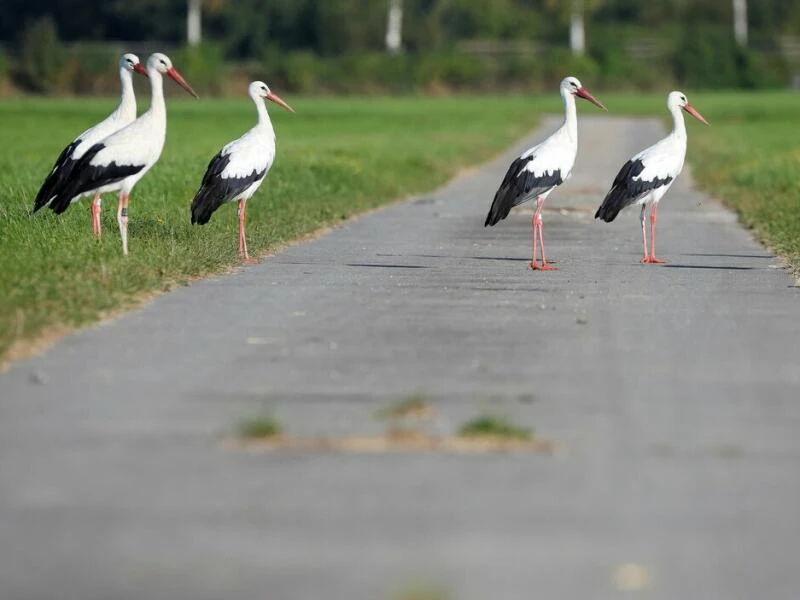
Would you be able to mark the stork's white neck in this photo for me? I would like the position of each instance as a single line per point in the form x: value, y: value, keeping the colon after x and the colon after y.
x: 678, y: 124
x: 127, y: 101
x: 263, y: 116
x: 157, y: 106
x: 571, y: 116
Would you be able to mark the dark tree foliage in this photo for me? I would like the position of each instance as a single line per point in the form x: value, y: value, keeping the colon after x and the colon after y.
x: 691, y: 39
x: 40, y: 57
x: 246, y: 28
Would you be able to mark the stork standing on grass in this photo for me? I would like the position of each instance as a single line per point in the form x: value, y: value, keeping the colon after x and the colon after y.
x: 237, y: 171
x: 62, y: 170
x: 646, y: 177
x: 541, y: 169
x: 119, y: 161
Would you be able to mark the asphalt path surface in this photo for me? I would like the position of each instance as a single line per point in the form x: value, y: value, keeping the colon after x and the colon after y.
x: 672, y: 392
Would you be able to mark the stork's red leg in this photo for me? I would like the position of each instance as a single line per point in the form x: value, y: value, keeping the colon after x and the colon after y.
x: 653, y: 218
x: 96, y: 208
x: 537, y: 219
x: 544, y: 266
x: 93, y: 210
x: 240, y: 213
x: 644, y: 234
x: 532, y: 264
x: 242, y: 235
x: 244, y: 230
x: 248, y: 260
x: 122, y: 220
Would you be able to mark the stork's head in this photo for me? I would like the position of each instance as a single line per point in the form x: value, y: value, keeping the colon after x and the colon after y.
x: 162, y: 64
x: 571, y: 85
x: 677, y: 100
x: 259, y: 89
x: 130, y: 62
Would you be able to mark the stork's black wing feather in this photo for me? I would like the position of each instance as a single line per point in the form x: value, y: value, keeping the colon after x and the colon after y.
x: 626, y: 190
x: 58, y: 176
x: 519, y: 185
x: 215, y: 190
x: 86, y: 177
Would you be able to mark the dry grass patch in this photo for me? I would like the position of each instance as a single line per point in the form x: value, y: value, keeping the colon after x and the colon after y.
x: 415, y: 406
x: 393, y: 441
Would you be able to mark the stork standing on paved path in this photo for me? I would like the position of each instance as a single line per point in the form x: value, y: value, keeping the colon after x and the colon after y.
x: 646, y: 177
x: 119, y: 161
x: 237, y: 171
x: 60, y: 174
x: 539, y: 170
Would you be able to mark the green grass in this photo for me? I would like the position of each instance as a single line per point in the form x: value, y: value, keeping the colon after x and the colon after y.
x: 336, y: 158
x: 494, y: 426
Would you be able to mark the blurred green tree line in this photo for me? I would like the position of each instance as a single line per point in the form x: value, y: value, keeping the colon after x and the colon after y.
x: 67, y: 46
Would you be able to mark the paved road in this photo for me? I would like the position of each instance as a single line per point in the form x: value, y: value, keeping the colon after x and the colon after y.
x: 675, y: 391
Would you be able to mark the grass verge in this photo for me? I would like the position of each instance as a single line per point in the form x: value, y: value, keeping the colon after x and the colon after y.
x: 336, y: 158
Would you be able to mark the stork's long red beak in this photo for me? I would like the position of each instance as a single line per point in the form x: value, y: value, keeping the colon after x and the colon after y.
x: 173, y: 73
x: 691, y: 110
x: 277, y: 100
x: 584, y: 93
x: 139, y: 68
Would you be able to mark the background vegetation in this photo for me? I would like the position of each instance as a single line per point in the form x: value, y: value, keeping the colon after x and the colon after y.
x: 322, y: 46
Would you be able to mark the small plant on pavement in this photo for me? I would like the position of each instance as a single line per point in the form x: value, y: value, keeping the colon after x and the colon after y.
x: 494, y: 426
x: 260, y: 427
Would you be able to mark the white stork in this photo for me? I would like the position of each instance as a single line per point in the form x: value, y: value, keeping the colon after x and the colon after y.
x: 646, y: 177
x: 119, y: 161
x: 60, y: 174
x: 237, y: 171
x: 539, y: 170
